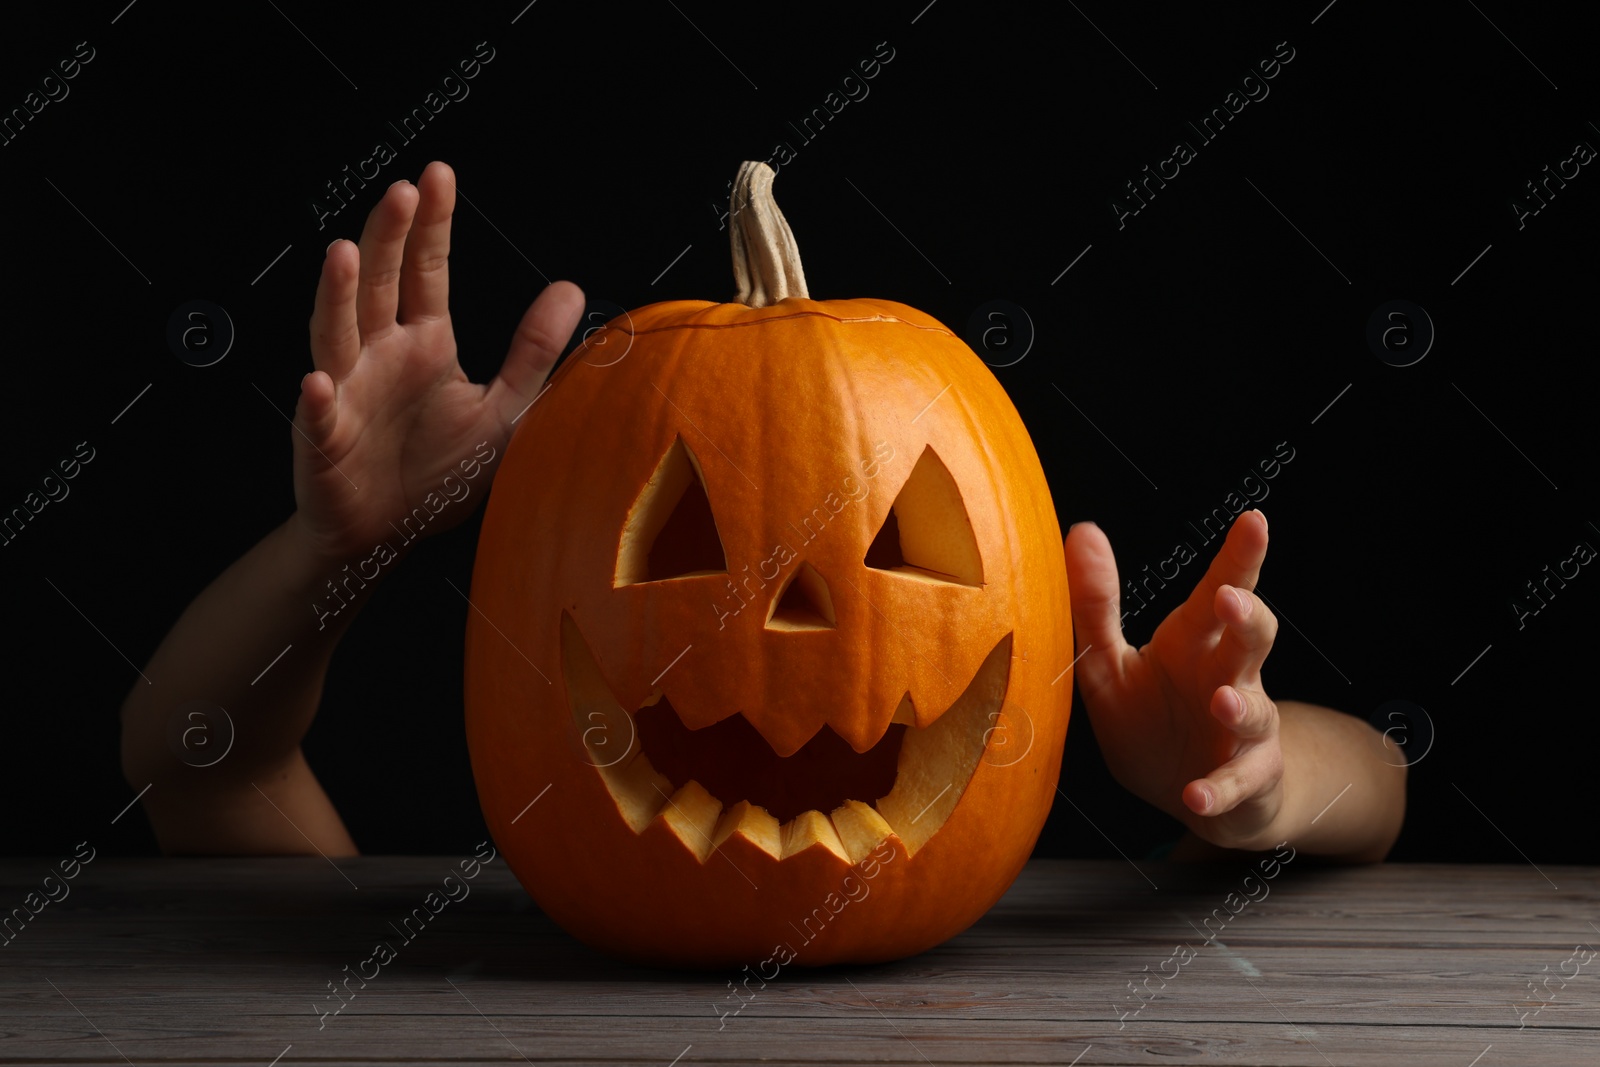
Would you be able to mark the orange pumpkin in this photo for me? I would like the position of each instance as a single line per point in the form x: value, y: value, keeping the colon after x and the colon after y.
x: 770, y: 605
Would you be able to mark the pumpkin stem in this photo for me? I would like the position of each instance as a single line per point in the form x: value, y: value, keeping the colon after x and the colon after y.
x: 766, y: 260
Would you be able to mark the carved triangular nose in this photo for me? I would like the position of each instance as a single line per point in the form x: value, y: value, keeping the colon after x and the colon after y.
x: 803, y: 603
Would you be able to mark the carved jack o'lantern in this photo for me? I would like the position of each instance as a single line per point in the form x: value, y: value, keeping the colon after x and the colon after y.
x: 768, y: 606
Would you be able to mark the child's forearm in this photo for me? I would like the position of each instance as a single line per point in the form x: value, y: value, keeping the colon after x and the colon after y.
x: 1323, y: 752
x: 1344, y: 785
x: 225, y: 650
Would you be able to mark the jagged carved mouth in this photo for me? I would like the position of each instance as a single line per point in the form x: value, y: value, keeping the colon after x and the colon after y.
x: 709, y: 785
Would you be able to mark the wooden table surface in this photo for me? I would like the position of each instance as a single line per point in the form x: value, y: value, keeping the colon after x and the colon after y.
x: 231, y: 960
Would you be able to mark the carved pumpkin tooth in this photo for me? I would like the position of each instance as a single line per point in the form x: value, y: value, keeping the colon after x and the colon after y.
x: 936, y: 763
x: 691, y: 813
x: 754, y: 823
x: 808, y: 829
x: 639, y: 791
x: 860, y: 829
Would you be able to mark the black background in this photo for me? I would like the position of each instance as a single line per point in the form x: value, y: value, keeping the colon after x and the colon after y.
x: 597, y: 144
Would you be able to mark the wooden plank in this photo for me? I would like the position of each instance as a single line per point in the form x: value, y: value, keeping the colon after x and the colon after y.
x: 464, y: 1036
x: 226, y: 960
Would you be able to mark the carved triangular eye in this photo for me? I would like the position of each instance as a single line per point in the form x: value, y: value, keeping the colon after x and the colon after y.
x: 927, y: 533
x: 670, y: 532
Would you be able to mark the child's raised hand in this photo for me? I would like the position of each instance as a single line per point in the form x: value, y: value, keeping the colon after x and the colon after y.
x: 388, y: 412
x: 1184, y: 722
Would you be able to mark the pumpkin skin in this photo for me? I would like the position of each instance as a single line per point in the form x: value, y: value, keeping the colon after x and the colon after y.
x: 803, y: 421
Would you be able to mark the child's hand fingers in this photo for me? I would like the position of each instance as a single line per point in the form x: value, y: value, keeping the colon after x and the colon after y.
x: 1238, y: 562
x: 335, y: 339
x: 316, y: 415
x: 1247, y: 775
x: 1251, y: 630
x: 1247, y: 713
x: 383, y: 246
x: 1096, y: 602
x: 425, y: 273
x: 537, y: 344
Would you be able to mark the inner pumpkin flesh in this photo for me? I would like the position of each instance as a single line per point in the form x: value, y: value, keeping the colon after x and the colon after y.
x: 734, y: 762
x: 707, y: 785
